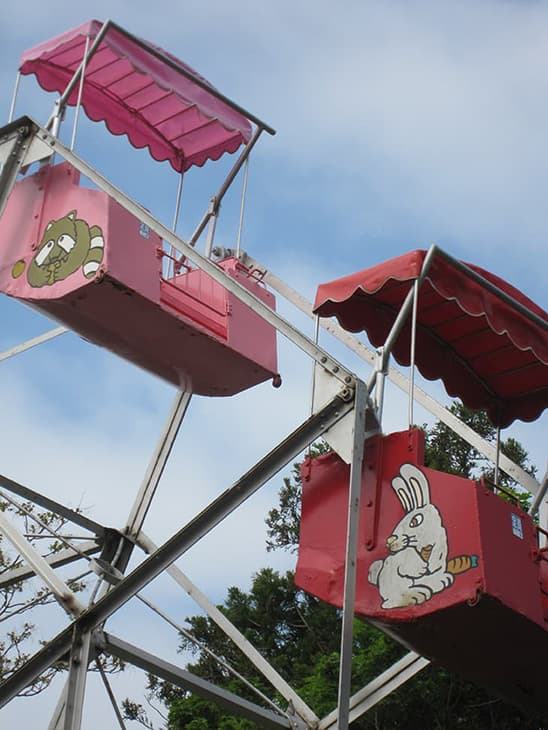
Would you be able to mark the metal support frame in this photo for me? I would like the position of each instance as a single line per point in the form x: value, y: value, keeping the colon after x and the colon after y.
x: 63, y: 557
x: 397, y: 378
x: 52, y: 506
x: 260, y: 663
x: 17, y: 138
x: 181, y: 541
x: 157, y: 465
x: 83, y: 638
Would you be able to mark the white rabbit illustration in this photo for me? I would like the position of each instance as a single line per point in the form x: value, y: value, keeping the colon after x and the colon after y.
x: 416, y: 566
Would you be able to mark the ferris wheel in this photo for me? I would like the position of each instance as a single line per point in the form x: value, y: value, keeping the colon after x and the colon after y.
x: 441, y: 563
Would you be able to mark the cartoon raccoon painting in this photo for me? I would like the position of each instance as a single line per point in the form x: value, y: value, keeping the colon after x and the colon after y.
x: 68, y: 244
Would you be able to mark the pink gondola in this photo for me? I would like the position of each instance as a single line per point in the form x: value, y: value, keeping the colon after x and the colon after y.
x: 78, y: 256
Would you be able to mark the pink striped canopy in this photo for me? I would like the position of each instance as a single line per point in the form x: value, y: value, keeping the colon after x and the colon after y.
x: 141, y: 95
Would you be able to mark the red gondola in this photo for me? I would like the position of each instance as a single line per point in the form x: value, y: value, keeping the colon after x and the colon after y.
x: 444, y: 565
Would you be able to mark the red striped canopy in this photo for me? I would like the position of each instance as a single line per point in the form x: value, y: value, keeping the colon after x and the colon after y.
x: 482, y: 337
x: 141, y: 91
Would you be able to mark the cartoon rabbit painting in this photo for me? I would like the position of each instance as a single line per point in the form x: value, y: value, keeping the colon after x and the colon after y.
x: 416, y: 567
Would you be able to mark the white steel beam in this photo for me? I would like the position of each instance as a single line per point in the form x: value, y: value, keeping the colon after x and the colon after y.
x: 184, y: 679
x: 257, y: 659
x: 24, y: 346
x: 65, y: 597
x: 76, y: 683
x: 63, y: 557
x: 379, y: 688
x: 157, y: 464
x: 354, y: 492
x: 182, y: 541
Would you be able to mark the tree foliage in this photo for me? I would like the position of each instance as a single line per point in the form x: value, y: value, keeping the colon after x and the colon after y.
x: 18, y: 642
x: 20, y: 599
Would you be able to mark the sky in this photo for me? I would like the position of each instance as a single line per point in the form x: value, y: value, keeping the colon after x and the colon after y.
x: 398, y: 124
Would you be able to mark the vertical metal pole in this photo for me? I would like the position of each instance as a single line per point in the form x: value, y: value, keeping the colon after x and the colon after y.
x: 14, y: 97
x: 242, y: 208
x: 178, y: 202
x: 211, y: 229
x: 497, y: 457
x: 76, y: 686
x: 79, y: 100
x: 540, y: 503
x: 379, y: 382
x: 413, y: 348
x: 172, y: 251
x: 216, y: 200
x: 345, y: 669
x: 313, y: 385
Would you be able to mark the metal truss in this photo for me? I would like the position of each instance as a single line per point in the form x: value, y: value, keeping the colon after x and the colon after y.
x: 348, y: 403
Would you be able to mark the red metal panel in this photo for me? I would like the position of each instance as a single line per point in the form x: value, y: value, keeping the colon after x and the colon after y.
x: 452, y: 572
x: 422, y: 586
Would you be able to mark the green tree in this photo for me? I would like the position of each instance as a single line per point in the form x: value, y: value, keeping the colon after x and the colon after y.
x: 299, y: 634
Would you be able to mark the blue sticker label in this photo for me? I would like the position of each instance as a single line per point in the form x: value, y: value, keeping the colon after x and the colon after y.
x: 144, y: 230
x: 517, y: 527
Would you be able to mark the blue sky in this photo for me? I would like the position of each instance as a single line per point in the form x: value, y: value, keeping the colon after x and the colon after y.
x: 398, y: 124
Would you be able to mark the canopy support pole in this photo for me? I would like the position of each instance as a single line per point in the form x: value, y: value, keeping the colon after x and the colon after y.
x: 79, y: 100
x: 55, y: 119
x: 172, y: 251
x: 497, y: 457
x: 14, y: 97
x: 215, y: 202
x: 242, y: 208
x: 213, y: 211
x: 402, y: 316
x: 412, y: 353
